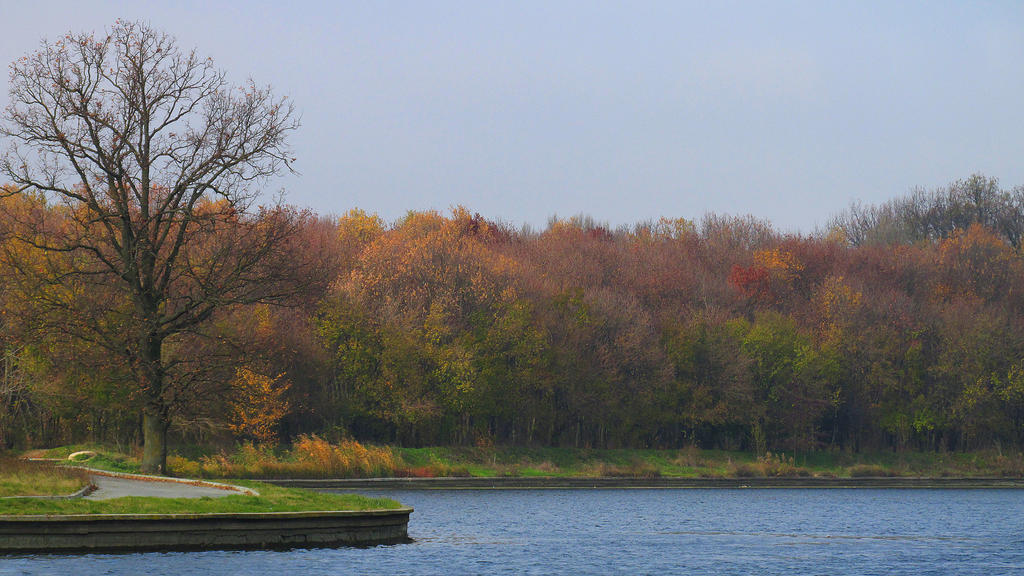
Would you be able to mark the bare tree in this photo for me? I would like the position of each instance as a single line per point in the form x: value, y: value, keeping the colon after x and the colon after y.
x: 933, y: 215
x: 152, y: 163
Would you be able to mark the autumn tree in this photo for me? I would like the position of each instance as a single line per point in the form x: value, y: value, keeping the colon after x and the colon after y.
x: 258, y: 404
x: 152, y: 162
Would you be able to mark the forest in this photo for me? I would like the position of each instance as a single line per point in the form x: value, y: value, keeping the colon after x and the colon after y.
x: 897, y: 326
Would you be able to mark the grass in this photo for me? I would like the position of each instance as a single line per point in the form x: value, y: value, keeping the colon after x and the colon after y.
x: 20, y: 478
x: 271, y: 499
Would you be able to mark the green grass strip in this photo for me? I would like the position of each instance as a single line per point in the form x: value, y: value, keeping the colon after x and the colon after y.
x: 271, y: 499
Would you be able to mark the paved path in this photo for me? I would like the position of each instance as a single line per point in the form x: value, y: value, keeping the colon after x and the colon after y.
x: 108, y: 487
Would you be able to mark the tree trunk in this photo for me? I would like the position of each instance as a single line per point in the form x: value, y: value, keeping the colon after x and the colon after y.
x: 154, y: 441
x: 155, y: 416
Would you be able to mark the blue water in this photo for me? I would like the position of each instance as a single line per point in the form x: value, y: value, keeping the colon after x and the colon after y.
x: 719, y: 532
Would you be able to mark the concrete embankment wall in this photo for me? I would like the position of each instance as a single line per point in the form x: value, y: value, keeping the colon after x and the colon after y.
x: 139, y: 532
x: 610, y: 483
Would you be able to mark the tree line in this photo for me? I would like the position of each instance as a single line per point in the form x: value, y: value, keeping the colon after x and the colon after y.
x: 454, y: 329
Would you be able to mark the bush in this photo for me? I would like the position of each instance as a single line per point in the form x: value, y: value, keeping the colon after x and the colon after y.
x: 183, y: 467
x: 689, y: 457
x: 770, y: 465
x: 636, y: 469
x: 349, y: 458
x: 309, y: 457
x: 779, y: 466
x: 870, y: 471
x: 748, y: 470
x: 432, y: 471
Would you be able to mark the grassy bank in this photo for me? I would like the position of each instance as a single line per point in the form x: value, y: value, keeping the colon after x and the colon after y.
x: 271, y: 499
x: 312, y: 457
x: 695, y: 463
x: 20, y: 478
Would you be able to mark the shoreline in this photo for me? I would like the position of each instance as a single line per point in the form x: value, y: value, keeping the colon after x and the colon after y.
x: 606, y: 483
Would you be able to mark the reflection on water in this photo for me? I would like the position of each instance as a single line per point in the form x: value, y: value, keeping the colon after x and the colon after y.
x: 718, y: 532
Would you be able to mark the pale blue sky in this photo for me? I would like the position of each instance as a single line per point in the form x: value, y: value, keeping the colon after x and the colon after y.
x: 621, y: 110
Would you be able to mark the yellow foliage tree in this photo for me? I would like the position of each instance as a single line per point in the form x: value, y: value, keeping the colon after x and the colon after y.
x: 780, y: 262
x: 835, y: 302
x: 258, y: 405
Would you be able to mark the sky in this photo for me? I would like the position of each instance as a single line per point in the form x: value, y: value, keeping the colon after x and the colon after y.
x: 623, y: 111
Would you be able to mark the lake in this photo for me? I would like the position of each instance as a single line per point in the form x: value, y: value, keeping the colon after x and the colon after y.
x: 694, y: 531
